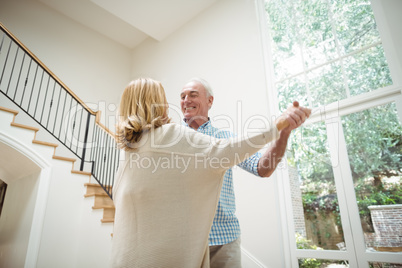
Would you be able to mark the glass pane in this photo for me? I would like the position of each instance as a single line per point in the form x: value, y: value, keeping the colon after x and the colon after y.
x: 335, y: 43
x: 314, y: 197
x: 326, y: 85
x: 320, y: 263
x: 384, y: 265
x: 354, y: 24
x: 286, y: 49
x: 374, y: 143
x: 315, y: 32
x: 292, y: 89
x: 376, y: 73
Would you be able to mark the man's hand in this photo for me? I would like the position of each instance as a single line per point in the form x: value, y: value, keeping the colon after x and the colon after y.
x: 293, y: 117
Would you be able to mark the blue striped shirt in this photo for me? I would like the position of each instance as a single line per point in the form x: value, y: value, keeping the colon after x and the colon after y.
x: 226, y: 228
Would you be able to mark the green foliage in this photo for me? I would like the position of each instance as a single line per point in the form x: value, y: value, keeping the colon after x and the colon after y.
x: 303, y: 243
x: 366, y: 195
x: 319, y: 60
x: 306, y: 34
x: 374, y: 140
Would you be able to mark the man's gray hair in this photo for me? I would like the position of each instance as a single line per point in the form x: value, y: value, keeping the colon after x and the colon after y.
x: 205, y: 84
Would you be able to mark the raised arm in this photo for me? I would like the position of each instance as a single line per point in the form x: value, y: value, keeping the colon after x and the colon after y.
x: 291, y: 119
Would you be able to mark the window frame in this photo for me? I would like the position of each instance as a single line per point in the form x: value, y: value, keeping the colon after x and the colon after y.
x: 331, y: 114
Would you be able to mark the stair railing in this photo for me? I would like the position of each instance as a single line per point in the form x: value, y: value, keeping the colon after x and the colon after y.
x: 30, y: 85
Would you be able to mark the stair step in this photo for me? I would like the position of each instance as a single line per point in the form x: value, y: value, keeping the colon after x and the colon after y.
x: 45, y: 143
x: 92, y: 184
x: 92, y: 190
x: 103, y: 200
x: 81, y: 172
x: 64, y: 158
x: 96, y: 194
x: 107, y: 220
x: 24, y: 126
x: 108, y: 213
x: 103, y: 207
x: 8, y: 110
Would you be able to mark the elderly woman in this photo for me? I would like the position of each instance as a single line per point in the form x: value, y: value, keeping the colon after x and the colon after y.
x: 167, y: 188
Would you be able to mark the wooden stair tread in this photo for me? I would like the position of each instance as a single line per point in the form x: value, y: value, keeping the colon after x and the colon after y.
x: 81, y: 172
x: 24, y: 126
x: 45, y: 143
x: 8, y: 110
x: 95, y: 185
x: 102, y: 207
x: 64, y: 158
x: 95, y: 194
x: 107, y: 220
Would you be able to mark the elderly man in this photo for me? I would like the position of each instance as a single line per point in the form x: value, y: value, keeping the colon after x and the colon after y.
x: 224, y: 238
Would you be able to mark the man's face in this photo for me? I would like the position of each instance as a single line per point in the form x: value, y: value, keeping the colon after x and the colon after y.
x: 194, y: 102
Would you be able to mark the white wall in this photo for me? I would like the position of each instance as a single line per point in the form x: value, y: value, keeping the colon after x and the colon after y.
x: 16, y: 219
x: 223, y: 46
x: 70, y: 223
x: 91, y: 65
x: 46, y: 221
x: 388, y: 18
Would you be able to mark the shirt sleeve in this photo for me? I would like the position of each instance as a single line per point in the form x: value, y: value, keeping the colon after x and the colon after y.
x: 251, y: 164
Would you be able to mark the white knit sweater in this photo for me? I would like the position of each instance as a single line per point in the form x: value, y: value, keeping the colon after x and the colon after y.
x: 166, y: 194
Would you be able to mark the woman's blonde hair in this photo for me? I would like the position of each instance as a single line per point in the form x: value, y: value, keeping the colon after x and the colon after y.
x: 143, y: 106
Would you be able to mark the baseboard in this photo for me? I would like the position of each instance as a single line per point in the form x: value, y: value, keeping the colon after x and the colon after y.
x: 250, y: 259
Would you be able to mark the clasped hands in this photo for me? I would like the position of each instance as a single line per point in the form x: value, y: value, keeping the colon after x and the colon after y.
x: 293, y: 117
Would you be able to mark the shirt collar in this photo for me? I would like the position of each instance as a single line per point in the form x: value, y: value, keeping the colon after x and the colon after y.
x: 203, y: 126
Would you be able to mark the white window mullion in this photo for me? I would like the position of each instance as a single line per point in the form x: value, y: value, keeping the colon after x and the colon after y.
x: 398, y: 102
x: 342, y: 174
x: 285, y: 192
x: 344, y: 75
x: 390, y: 33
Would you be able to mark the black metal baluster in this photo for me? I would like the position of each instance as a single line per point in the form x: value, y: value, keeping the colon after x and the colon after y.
x: 62, y: 114
x: 26, y: 82
x: 103, y: 157
x: 51, y: 103
x: 116, y: 161
x: 68, y: 120
x: 19, y: 76
x: 113, y: 165
x: 57, y: 108
x: 99, y: 153
x: 96, y: 158
x: 106, y: 162
x: 40, y: 86
x: 44, y: 101
x: 33, y: 87
x: 12, y: 70
x: 2, y: 41
x: 74, y: 125
x: 5, y: 62
x: 85, y: 140
x: 93, y: 145
x: 79, y: 129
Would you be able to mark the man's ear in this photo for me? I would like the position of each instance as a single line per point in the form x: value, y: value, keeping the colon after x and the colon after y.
x: 210, y: 101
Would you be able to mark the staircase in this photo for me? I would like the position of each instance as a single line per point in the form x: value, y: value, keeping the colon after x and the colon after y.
x: 102, y: 200
x: 54, y: 109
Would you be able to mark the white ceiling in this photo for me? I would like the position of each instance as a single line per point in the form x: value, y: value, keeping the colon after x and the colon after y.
x: 129, y: 22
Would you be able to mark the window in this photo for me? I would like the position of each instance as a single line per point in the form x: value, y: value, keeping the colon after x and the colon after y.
x: 345, y: 165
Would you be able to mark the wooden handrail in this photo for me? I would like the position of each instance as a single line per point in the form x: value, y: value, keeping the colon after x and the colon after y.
x: 36, y: 59
x: 97, y: 120
x: 21, y: 45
